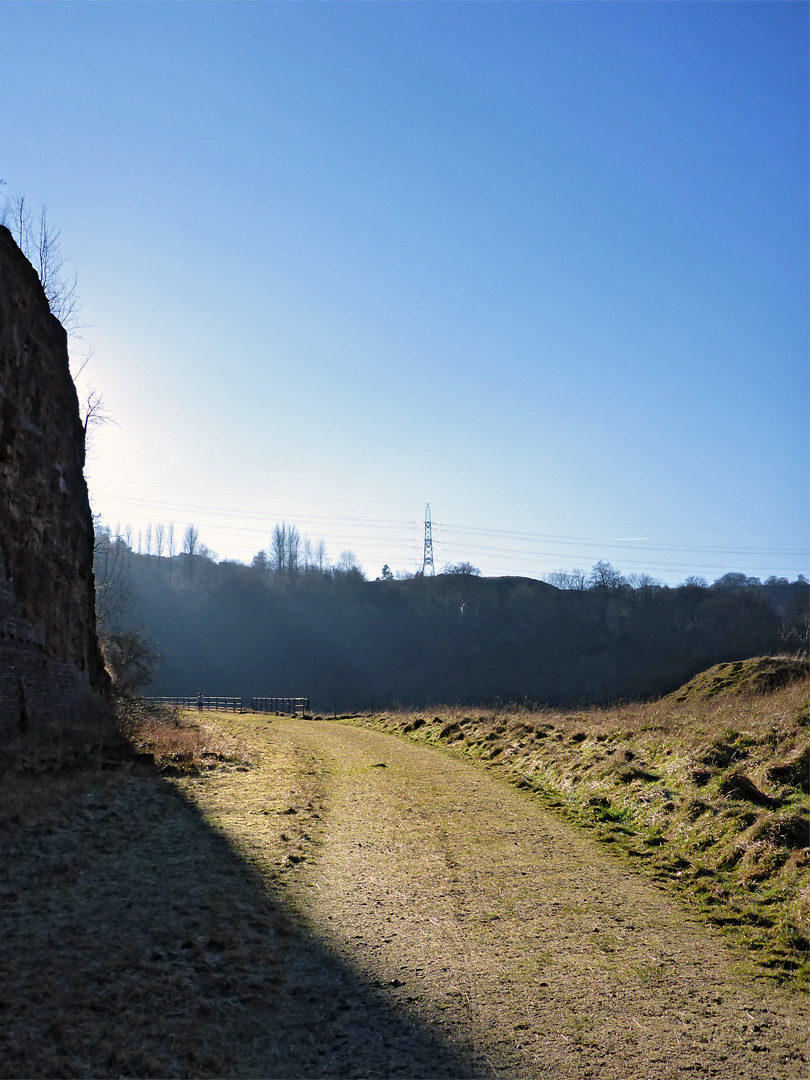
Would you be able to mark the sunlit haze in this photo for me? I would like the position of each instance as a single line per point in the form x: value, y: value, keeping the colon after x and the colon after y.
x: 542, y: 266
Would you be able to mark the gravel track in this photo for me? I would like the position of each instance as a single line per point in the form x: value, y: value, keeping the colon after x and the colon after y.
x: 494, y: 927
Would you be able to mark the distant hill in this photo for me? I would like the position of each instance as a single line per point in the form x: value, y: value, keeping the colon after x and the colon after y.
x: 347, y: 643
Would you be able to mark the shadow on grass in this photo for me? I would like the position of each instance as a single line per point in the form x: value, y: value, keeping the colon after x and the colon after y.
x: 137, y: 943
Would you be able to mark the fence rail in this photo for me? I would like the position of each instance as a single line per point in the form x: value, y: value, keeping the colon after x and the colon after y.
x: 295, y: 706
x: 218, y: 704
x: 292, y: 705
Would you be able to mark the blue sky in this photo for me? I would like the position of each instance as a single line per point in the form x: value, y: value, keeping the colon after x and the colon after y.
x: 544, y: 266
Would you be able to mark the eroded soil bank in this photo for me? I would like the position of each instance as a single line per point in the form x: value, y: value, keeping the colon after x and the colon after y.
x: 483, y: 922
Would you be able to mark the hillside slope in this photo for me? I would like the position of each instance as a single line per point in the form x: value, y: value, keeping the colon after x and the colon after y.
x: 349, y: 644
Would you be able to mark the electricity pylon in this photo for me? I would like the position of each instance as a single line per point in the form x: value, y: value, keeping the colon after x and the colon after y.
x: 427, y: 558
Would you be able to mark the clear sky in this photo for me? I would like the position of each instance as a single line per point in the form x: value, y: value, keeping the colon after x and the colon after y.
x: 541, y: 265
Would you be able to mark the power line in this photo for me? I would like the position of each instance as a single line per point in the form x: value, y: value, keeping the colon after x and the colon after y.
x: 427, y: 558
x: 328, y: 521
x: 511, y: 550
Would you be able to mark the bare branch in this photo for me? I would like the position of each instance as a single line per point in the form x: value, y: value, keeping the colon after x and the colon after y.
x: 41, y: 245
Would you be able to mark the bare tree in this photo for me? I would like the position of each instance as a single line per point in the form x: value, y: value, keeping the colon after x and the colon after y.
x: 130, y: 658
x: 347, y: 563
x: 160, y: 534
x: 60, y: 290
x: 278, y: 549
x: 694, y: 581
x: 93, y: 408
x: 605, y: 576
x: 170, y: 548
x: 260, y: 563
x: 320, y: 557
x: 293, y: 550
x: 568, y: 579
x: 191, y: 540
x: 307, y: 555
x: 41, y: 245
x: 111, y: 572
x: 148, y: 538
x: 643, y: 582
x: 95, y: 412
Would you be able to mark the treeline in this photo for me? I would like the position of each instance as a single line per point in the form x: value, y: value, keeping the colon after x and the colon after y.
x: 288, y: 556
x: 304, y: 627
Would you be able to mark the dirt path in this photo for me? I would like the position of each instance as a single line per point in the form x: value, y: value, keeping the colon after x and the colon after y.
x: 489, y: 922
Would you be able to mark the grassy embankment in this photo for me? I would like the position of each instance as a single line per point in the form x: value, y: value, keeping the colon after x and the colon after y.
x: 707, y: 789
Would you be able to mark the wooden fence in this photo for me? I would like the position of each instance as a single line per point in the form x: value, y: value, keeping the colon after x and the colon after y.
x: 294, y: 705
x: 218, y: 704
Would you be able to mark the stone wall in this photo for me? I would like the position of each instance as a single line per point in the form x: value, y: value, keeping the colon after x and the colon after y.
x: 53, y: 685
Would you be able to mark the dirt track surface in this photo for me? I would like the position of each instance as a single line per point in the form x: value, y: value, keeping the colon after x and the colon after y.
x: 478, y: 924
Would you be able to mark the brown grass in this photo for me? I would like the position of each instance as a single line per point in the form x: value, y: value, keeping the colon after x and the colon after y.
x: 179, y: 741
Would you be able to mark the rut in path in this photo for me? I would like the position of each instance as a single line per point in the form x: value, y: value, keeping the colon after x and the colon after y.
x: 494, y: 923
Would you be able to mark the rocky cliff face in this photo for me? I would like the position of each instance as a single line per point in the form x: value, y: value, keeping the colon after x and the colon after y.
x: 52, y: 678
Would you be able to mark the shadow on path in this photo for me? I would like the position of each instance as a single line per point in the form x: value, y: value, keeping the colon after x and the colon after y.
x: 137, y: 943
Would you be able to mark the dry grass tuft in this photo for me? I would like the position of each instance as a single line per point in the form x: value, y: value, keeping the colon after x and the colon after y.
x: 178, y: 741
